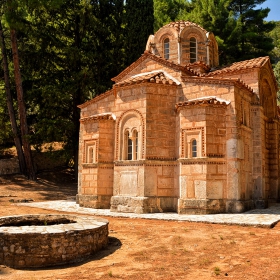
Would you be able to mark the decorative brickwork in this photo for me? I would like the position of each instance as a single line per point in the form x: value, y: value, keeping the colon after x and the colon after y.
x: 191, y: 131
x: 119, y: 131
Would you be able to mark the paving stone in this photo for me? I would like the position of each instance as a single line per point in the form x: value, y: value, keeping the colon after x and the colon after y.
x: 258, y: 217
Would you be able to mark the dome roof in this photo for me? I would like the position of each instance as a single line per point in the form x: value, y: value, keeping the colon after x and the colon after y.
x: 181, y: 24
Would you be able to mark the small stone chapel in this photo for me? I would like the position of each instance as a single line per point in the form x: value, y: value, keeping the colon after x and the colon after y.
x: 178, y: 133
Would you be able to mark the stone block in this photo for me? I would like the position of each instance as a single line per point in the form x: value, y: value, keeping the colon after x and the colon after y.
x: 165, y: 182
x: 200, y: 189
x: 215, y: 190
x: 201, y: 206
x: 128, y: 183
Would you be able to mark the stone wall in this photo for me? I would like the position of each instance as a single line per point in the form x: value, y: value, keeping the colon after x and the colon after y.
x: 25, y: 243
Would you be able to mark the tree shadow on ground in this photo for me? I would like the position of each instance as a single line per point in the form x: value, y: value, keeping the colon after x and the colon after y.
x: 51, y: 185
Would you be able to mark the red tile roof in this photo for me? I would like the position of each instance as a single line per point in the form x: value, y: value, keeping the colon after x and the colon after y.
x: 158, y: 77
x: 213, y: 100
x: 179, y: 25
x: 185, y: 69
x: 238, y: 66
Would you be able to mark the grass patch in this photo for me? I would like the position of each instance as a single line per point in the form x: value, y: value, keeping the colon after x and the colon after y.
x: 217, y: 270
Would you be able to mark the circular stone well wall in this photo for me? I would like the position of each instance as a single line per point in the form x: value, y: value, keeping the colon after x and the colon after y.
x: 48, y: 240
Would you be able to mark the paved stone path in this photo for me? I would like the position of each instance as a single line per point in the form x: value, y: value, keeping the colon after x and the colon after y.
x: 258, y: 217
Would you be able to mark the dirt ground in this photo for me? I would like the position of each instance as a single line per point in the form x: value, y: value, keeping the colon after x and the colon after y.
x: 149, y: 249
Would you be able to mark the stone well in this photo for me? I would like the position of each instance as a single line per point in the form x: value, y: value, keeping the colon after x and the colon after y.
x: 48, y: 240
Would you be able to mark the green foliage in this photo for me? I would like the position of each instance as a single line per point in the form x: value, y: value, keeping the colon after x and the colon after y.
x: 166, y: 11
x: 277, y: 76
x: 139, y: 20
x: 69, y: 51
x: 5, y: 128
x: 240, y: 29
x: 275, y: 35
x: 249, y: 35
x: 214, y: 16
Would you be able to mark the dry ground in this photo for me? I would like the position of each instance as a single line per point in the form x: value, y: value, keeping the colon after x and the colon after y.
x: 149, y: 249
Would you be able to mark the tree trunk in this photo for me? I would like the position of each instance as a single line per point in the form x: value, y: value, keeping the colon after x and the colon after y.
x: 77, y: 99
x: 10, y: 106
x: 22, y: 111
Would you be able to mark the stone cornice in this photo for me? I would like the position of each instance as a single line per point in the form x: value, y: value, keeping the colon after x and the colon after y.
x: 97, y: 98
x: 212, y: 160
x: 100, y: 117
x: 104, y: 165
x: 129, y: 162
x: 160, y: 158
x: 219, y: 81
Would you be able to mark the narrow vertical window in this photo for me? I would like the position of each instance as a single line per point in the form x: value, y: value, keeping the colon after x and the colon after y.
x: 91, y: 154
x: 125, y: 146
x: 129, y: 148
x: 193, y: 50
x: 166, y: 48
x: 194, y: 148
x: 135, y: 144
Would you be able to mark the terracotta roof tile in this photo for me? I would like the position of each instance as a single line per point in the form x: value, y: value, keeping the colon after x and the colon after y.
x: 185, y: 69
x: 202, y: 101
x: 201, y: 64
x: 242, y: 65
x: 179, y: 25
x: 159, y: 77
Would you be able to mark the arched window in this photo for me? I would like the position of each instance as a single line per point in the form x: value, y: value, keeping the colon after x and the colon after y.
x: 130, y: 135
x: 90, y: 150
x: 194, y: 148
x: 166, y: 48
x: 193, y: 50
x: 131, y: 145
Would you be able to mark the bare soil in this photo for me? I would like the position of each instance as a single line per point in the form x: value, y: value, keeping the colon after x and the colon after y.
x: 148, y: 249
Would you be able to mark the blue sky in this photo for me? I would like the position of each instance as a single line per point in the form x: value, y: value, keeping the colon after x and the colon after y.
x: 274, y: 6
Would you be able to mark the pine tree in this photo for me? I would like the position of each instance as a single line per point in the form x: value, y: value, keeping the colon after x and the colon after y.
x: 239, y: 27
x: 166, y: 11
x: 276, y: 71
x: 10, y: 106
x: 139, y: 25
x: 213, y: 15
x: 69, y: 51
x: 249, y: 36
x: 275, y: 36
x: 13, y: 11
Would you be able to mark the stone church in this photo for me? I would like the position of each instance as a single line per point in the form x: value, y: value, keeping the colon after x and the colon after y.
x: 178, y: 133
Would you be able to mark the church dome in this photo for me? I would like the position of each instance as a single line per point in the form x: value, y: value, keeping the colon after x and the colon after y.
x: 185, y: 43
